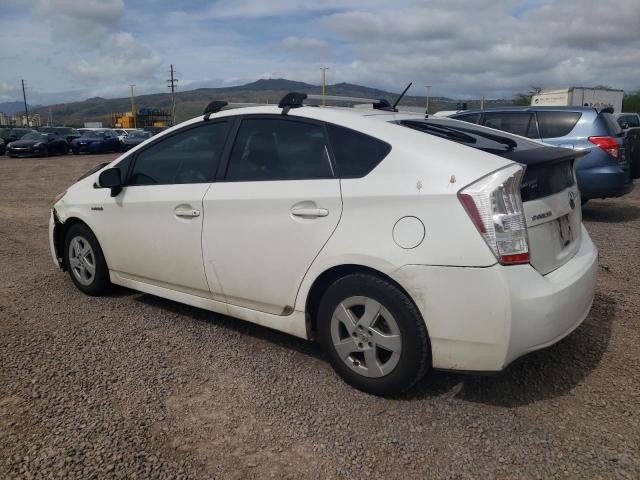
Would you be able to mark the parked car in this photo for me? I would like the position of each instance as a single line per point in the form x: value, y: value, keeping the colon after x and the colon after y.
x: 630, y: 125
x: 399, y: 249
x: 99, y: 140
x: 602, y: 173
x: 70, y: 134
x: 154, y: 130
x: 38, y: 144
x: 135, y: 138
x: 627, y: 120
x: 10, y: 134
x: 121, y: 133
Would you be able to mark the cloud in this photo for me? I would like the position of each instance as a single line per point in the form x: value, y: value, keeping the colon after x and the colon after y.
x: 308, y: 47
x: 124, y: 60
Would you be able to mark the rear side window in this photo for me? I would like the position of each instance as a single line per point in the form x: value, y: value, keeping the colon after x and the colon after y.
x: 557, y: 124
x: 356, y: 154
x: 190, y: 156
x: 518, y: 123
x: 279, y: 149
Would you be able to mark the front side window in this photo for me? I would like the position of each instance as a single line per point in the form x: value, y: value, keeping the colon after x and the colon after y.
x: 190, y: 156
x: 278, y: 149
x: 518, y: 123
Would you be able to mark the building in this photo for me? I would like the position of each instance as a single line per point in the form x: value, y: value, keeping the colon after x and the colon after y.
x: 4, y: 119
x: 145, y: 117
x: 20, y: 120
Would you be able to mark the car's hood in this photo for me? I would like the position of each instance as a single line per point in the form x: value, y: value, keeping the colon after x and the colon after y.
x: 25, y: 143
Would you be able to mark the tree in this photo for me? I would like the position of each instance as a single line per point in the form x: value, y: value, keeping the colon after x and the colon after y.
x: 631, y: 102
x: 524, y: 99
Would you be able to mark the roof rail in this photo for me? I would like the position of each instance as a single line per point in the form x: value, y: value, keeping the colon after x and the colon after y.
x: 213, y: 107
x: 296, y: 100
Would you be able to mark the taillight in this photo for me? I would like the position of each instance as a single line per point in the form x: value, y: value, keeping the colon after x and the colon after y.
x: 495, y: 207
x: 608, y: 144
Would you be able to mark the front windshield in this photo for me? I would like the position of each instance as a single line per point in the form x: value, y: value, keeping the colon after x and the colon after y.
x: 4, y: 132
x: 34, y: 136
x: 92, y: 134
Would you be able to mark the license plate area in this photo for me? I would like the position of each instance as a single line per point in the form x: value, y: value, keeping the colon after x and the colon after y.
x: 565, y: 232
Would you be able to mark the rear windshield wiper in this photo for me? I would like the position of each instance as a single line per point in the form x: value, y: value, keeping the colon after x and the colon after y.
x: 440, y: 130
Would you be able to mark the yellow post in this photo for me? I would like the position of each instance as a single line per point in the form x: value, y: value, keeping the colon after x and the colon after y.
x: 133, y: 108
x: 324, y: 85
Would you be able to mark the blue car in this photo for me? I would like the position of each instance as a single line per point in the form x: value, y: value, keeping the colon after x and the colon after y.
x: 100, y: 140
x: 602, y: 173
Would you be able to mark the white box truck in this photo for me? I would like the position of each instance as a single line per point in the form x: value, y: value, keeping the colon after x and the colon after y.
x: 579, y: 97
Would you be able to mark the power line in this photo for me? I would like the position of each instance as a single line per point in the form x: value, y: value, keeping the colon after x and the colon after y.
x: 172, y: 84
x: 26, y: 109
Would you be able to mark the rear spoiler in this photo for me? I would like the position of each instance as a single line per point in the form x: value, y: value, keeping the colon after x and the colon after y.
x: 536, y: 156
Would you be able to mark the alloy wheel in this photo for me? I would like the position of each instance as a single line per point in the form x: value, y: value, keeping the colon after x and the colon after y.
x: 366, y: 336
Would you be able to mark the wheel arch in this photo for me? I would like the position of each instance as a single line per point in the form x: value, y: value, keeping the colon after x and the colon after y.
x: 328, y: 277
x: 60, y: 232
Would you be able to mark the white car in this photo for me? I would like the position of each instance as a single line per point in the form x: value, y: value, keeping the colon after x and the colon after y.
x: 393, y: 244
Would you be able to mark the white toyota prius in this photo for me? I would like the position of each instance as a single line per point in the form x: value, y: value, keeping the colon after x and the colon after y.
x: 400, y: 243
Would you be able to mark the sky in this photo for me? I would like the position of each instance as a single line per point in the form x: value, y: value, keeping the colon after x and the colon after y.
x: 76, y: 49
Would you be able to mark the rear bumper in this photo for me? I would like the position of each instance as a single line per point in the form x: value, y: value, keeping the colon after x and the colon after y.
x: 604, y: 182
x: 482, y: 319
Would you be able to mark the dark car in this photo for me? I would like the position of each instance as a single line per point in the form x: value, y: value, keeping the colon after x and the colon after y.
x: 134, y: 138
x: 155, y: 130
x: 604, y: 170
x: 70, y: 134
x: 101, y: 140
x: 8, y: 135
x: 38, y: 144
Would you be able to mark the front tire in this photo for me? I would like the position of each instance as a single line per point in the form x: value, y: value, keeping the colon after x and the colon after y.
x: 84, y: 260
x: 373, y: 334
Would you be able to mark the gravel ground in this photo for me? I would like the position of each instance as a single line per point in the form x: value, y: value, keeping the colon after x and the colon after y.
x: 134, y: 386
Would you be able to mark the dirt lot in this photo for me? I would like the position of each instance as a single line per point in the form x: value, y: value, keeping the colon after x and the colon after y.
x: 132, y: 386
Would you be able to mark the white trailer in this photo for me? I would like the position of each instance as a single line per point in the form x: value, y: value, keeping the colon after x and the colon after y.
x: 579, y: 97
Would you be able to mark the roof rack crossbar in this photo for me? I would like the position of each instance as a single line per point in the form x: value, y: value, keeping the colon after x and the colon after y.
x: 213, y: 107
x: 295, y: 100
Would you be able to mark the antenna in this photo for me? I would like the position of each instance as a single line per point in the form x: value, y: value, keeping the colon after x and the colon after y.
x: 400, y: 97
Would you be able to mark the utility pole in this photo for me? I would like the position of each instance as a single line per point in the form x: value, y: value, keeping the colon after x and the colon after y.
x: 133, y: 108
x: 482, y: 102
x: 324, y: 85
x: 172, y: 84
x: 426, y: 105
x: 26, y: 109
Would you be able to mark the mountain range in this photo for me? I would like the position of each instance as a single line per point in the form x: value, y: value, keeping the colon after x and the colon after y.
x: 190, y: 103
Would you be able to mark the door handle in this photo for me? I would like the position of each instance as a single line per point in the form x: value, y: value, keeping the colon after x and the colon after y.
x: 187, y: 212
x: 309, y: 212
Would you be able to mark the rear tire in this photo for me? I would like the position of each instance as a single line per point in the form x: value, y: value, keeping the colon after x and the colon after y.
x: 84, y: 260
x: 373, y: 334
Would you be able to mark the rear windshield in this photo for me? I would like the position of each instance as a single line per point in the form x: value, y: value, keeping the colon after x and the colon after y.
x: 610, y: 124
x: 546, y: 179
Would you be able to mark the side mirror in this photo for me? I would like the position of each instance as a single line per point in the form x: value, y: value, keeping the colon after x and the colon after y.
x: 110, y: 178
x: 624, y: 125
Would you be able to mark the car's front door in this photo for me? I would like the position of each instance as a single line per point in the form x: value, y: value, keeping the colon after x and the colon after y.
x: 152, y: 230
x: 270, y: 216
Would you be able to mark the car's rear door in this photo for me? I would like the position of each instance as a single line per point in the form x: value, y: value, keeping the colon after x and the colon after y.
x: 152, y: 230
x: 268, y: 217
